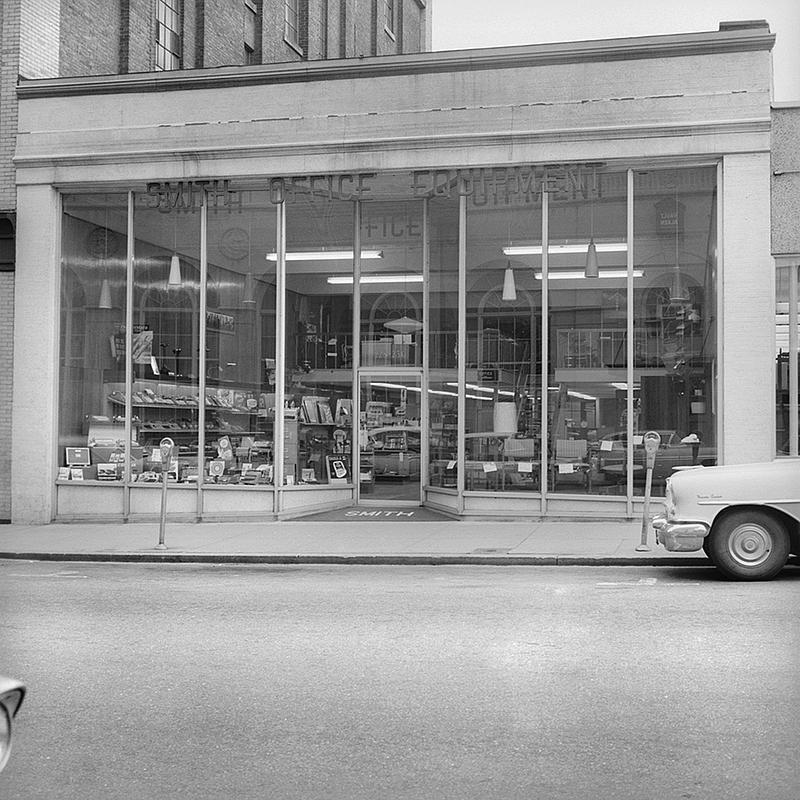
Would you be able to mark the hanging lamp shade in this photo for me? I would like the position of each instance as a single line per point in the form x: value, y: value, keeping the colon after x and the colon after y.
x: 105, y: 295
x: 509, y: 285
x: 249, y: 297
x: 403, y: 325
x: 175, y: 271
x: 592, y: 268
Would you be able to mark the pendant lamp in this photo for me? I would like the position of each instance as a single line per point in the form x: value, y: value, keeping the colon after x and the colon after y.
x: 509, y: 285
x: 592, y: 268
x: 175, y: 271
x: 249, y: 297
x: 105, y: 295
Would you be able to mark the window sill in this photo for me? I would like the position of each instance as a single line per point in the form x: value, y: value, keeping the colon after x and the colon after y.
x: 296, y: 47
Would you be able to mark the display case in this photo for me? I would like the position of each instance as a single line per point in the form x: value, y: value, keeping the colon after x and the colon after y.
x: 239, y: 426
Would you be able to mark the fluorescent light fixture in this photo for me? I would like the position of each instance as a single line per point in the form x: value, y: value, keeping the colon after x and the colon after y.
x: 348, y: 279
x: 623, y: 386
x: 396, y: 386
x: 564, y: 274
x: 559, y: 249
x: 581, y: 395
x: 474, y: 388
x: 326, y: 255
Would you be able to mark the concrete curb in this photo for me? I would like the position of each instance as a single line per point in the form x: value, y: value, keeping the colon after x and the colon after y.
x: 373, y: 560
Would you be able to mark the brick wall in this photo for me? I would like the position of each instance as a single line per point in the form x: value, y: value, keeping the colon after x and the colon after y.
x: 39, y: 23
x: 89, y: 40
x: 223, y: 33
x: 6, y: 386
x: 275, y: 47
x: 141, y: 36
x: 413, y: 33
x: 360, y: 31
x: 9, y: 67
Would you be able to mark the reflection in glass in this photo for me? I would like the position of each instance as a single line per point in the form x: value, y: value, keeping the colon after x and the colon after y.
x: 391, y: 311
x: 587, y: 370
x: 166, y: 338
x: 318, y: 418
x: 503, y: 354
x: 443, y: 342
x: 390, y: 436
x: 675, y: 319
x: 787, y: 361
x: 92, y: 365
x: 240, y: 343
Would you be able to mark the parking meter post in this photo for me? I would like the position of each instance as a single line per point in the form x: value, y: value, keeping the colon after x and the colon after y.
x: 651, y: 441
x: 165, y: 446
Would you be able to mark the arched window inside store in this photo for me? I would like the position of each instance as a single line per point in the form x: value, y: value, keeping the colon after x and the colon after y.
x: 172, y: 316
x: 396, y: 318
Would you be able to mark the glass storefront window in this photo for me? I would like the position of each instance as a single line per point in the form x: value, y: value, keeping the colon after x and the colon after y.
x: 391, y: 284
x: 240, y: 343
x: 92, y: 361
x: 270, y: 371
x: 675, y: 346
x: 503, y: 347
x: 787, y: 361
x: 165, y: 393
x: 587, y: 365
x: 318, y: 326
x: 443, y: 342
x: 391, y: 339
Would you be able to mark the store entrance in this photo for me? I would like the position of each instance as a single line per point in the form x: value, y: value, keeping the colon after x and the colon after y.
x: 390, y: 441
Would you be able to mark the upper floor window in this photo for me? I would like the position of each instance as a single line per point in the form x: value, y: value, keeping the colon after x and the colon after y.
x: 6, y: 245
x: 291, y: 23
x: 250, y: 32
x: 168, y: 34
x: 390, y: 10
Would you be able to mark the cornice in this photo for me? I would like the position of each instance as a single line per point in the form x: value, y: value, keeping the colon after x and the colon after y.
x: 645, y: 47
x: 485, y: 139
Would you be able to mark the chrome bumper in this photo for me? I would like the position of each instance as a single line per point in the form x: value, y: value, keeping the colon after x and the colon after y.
x: 680, y: 537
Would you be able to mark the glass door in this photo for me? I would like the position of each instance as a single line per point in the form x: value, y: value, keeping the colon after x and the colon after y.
x: 390, y: 441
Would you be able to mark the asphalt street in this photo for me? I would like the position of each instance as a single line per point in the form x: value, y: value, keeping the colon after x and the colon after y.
x: 289, y: 682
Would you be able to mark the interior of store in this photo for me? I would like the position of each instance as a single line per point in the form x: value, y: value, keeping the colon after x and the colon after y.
x: 252, y: 311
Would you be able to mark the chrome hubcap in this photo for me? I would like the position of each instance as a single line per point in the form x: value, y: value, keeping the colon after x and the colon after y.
x: 750, y: 545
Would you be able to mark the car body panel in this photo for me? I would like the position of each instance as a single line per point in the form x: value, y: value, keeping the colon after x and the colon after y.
x: 672, y: 454
x: 695, y: 498
x: 396, y: 452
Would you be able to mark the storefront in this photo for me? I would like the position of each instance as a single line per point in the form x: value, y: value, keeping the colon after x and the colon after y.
x: 470, y: 281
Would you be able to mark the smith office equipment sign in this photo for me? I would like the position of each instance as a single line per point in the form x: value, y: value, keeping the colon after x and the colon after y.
x: 495, y: 186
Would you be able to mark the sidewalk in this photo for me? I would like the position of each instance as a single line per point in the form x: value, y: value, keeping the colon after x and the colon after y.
x: 356, y: 540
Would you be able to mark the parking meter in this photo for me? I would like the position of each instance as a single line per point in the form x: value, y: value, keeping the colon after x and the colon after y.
x: 651, y: 441
x: 165, y: 446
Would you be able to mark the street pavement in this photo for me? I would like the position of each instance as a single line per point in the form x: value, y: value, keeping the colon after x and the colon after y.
x: 358, y: 535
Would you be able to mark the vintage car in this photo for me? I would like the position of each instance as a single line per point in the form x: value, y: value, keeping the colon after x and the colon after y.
x: 396, y: 451
x: 674, y: 451
x: 746, y: 517
x: 11, y: 694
